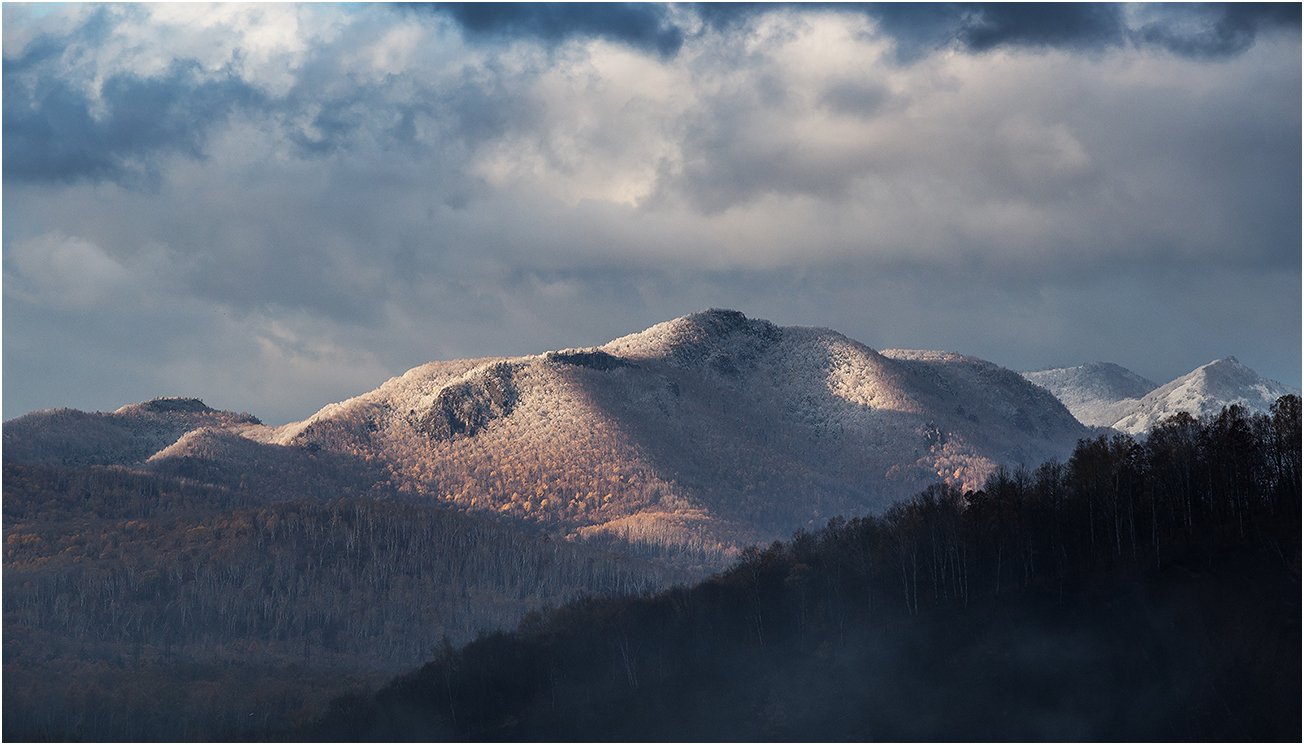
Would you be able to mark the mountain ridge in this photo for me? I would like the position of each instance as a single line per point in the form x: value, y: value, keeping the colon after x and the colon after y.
x: 1104, y: 394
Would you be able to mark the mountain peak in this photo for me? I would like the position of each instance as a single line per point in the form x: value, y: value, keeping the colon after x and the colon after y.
x: 696, y: 337
x: 1107, y: 395
x: 728, y: 315
x: 1224, y: 377
x: 1203, y: 392
x: 722, y: 322
x: 167, y: 405
x: 1108, y: 367
x: 1223, y: 363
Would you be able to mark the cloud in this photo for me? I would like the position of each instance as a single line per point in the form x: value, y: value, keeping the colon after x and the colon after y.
x: 1215, y: 30
x: 106, y: 92
x: 287, y: 218
x: 920, y: 28
x: 52, y: 132
x: 1049, y: 25
x: 645, y: 26
x: 1195, y: 30
x: 61, y: 271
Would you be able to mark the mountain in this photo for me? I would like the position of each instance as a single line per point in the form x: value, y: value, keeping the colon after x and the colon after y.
x: 704, y: 433
x: 1203, y: 392
x: 1096, y: 392
x: 712, y: 429
x: 1106, y: 395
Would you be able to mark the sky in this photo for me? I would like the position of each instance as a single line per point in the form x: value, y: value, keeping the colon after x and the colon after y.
x: 274, y: 207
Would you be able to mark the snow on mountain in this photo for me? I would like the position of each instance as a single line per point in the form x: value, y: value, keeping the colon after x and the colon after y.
x: 1097, y: 393
x: 707, y: 428
x: 1103, y: 394
x: 1202, y: 392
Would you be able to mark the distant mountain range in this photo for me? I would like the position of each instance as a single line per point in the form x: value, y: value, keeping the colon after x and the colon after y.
x: 711, y: 430
x: 1103, y: 394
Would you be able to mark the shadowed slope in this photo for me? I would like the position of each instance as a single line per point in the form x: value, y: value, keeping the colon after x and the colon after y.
x: 1096, y: 392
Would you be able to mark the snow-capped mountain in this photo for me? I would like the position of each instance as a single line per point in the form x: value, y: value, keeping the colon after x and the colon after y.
x: 1203, y: 391
x: 708, y: 427
x: 1106, y: 395
x: 1097, y: 393
x: 705, y: 431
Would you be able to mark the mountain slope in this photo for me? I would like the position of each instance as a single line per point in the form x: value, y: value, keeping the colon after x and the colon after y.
x: 1202, y: 392
x: 1096, y: 392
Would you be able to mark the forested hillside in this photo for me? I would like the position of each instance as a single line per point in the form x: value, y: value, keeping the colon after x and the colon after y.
x: 139, y: 606
x: 1144, y: 590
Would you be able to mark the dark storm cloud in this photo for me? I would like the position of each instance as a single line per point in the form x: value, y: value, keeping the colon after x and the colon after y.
x: 1196, y: 30
x: 643, y: 26
x: 1193, y: 30
x: 51, y: 134
x: 1073, y: 26
x: 922, y: 27
x: 1215, y: 30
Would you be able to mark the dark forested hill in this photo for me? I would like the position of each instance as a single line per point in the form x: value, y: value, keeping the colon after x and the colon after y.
x: 1141, y: 591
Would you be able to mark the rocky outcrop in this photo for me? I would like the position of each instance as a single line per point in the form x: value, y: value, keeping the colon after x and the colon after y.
x: 594, y: 359
x: 467, y: 406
